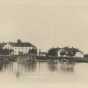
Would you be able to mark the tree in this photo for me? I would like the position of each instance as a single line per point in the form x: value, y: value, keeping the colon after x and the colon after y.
x: 5, y: 51
x: 33, y: 51
x: 19, y: 41
x: 53, y: 51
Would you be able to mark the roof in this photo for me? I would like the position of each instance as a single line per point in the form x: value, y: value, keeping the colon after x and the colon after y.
x: 22, y: 44
x: 19, y: 43
x: 72, y: 49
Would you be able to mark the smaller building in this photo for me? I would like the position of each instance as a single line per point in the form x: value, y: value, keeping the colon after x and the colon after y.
x: 79, y: 54
x: 70, y: 52
x: 65, y: 52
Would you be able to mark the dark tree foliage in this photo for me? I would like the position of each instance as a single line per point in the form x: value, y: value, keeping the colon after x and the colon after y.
x: 86, y: 56
x: 53, y: 52
x: 5, y: 51
x: 33, y: 51
x: 63, y: 51
x: 19, y: 41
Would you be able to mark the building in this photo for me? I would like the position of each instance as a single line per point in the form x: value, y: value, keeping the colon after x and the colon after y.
x: 70, y: 52
x: 19, y: 47
x: 65, y: 52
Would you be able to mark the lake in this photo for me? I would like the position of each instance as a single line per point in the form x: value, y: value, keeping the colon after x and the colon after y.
x: 43, y: 75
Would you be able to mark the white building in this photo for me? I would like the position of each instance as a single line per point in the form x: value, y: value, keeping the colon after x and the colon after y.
x: 78, y: 54
x: 19, y: 47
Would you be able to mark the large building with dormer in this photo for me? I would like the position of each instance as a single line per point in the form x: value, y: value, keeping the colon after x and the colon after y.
x: 19, y: 47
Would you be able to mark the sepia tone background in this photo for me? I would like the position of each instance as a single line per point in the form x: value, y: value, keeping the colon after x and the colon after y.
x: 45, y: 23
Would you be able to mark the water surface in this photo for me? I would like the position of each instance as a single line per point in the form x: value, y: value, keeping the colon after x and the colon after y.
x: 43, y: 75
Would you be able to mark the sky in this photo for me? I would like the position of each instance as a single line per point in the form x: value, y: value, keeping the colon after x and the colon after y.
x: 45, y: 23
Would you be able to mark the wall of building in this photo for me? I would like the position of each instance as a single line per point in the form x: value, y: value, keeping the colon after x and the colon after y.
x: 17, y: 50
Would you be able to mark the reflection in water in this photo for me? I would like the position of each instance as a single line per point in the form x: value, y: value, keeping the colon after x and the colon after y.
x: 24, y: 67
x: 67, y: 65
x: 52, y: 65
x: 33, y: 66
x: 17, y: 74
x: 1, y: 67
